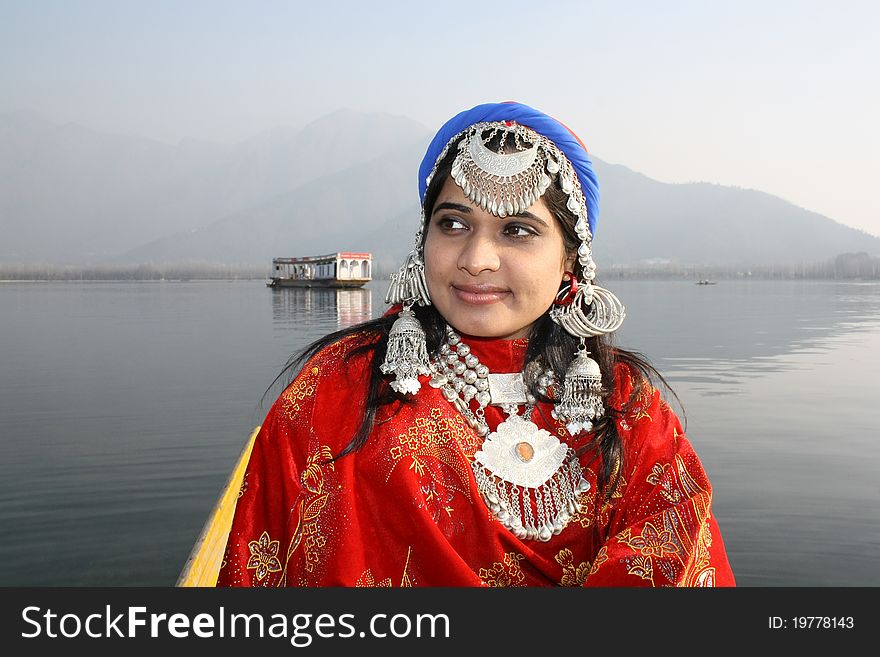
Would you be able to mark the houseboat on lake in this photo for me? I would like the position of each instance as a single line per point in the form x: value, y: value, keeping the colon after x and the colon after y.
x: 342, y: 269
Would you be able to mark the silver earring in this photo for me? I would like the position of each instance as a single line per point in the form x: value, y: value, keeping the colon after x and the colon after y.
x: 408, y: 284
x: 592, y: 312
x: 407, y: 354
x: 581, y: 401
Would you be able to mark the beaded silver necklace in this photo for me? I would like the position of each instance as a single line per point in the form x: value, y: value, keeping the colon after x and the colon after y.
x: 528, y: 478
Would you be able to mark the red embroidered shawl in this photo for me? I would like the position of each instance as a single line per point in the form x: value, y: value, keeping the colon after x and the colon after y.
x: 405, y: 510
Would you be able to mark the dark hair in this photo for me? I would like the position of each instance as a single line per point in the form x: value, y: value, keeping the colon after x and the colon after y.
x: 548, y: 342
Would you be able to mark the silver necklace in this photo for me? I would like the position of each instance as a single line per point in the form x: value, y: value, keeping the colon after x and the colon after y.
x: 528, y: 478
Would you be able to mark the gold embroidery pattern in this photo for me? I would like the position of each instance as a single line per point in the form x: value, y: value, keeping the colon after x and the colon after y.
x: 434, y: 445
x: 663, y: 476
x: 587, y: 514
x: 601, y: 558
x: 657, y: 473
x: 643, y: 400
x: 504, y: 573
x: 368, y: 580
x: 651, y: 542
x: 314, y: 499
x: 700, y: 500
x: 676, y: 545
x: 313, y: 475
x: 302, y: 388
x: 706, y: 578
x: 572, y: 575
x: 264, y: 556
x: 640, y: 566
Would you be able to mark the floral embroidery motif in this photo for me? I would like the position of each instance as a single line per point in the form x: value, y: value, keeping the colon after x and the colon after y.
x: 662, y: 476
x: 572, y: 575
x: 264, y: 556
x: 601, y: 558
x: 651, y: 542
x: 641, y: 566
x: 657, y: 473
x: 504, y: 573
x: 313, y: 475
x: 434, y: 446
x: 314, y: 499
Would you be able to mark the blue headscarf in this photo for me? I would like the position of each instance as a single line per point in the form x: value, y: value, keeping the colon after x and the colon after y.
x: 555, y: 131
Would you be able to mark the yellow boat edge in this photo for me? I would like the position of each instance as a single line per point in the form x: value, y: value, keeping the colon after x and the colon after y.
x: 203, y: 565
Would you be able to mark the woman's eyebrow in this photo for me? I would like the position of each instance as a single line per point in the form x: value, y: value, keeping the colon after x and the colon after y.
x: 457, y: 207
x: 533, y: 217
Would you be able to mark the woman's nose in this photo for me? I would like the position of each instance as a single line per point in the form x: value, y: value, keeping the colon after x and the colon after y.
x: 480, y: 253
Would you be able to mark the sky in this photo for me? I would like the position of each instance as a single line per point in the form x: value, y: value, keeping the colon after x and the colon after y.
x: 778, y: 95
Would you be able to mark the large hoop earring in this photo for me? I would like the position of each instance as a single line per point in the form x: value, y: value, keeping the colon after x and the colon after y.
x: 593, y: 311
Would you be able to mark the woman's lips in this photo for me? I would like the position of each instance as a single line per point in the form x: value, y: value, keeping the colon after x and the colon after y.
x: 479, y: 294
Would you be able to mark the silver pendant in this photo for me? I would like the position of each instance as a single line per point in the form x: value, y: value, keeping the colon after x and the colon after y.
x: 521, y: 453
x: 529, y: 479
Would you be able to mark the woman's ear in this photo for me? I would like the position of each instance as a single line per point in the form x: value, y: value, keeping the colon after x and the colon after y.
x: 569, y: 262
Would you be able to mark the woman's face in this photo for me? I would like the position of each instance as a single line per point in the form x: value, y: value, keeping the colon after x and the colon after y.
x: 488, y: 276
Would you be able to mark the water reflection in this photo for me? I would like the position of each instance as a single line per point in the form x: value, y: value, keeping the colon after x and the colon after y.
x: 331, y: 308
x: 732, y: 332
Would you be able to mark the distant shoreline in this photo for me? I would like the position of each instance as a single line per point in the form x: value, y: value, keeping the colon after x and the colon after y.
x: 844, y: 266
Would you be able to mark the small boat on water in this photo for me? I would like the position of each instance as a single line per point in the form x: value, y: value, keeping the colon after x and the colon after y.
x: 704, y: 281
x: 203, y: 565
x: 343, y: 269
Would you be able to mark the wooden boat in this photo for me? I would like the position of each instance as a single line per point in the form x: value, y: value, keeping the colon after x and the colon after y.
x: 203, y: 564
x: 343, y: 269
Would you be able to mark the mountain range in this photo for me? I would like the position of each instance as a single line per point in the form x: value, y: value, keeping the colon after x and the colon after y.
x: 71, y: 195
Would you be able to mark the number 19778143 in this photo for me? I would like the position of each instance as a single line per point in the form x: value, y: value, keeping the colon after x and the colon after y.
x: 811, y: 622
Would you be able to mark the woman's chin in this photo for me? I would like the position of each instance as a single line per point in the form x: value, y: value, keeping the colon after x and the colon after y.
x: 487, y: 328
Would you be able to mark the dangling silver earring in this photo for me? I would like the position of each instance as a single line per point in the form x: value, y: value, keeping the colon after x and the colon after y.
x: 407, y: 353
x: 584, y: 311
x: 408, y: 284
x: 581, y: 401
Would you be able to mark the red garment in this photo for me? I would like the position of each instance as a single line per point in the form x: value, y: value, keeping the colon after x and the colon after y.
x: 405, y: 509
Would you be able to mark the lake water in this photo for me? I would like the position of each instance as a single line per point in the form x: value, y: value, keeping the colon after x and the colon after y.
x: 123, y: 407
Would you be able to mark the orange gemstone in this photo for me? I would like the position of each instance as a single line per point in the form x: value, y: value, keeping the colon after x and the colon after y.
x: 525, y: 452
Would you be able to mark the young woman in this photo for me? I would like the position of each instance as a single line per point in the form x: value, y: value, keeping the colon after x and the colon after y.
x: 484, y: 432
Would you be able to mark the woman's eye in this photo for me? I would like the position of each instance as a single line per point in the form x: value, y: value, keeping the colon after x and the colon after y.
x: 518, y: 230
x: 450, y: 223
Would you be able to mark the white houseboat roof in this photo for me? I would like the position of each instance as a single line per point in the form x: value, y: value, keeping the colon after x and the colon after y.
x: 323, y: 259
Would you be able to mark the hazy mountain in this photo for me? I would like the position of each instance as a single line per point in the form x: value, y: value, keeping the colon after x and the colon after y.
x: 702, y: 223
x: 334, y: 212
x: 68, y: 194
x: 345, y: 181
